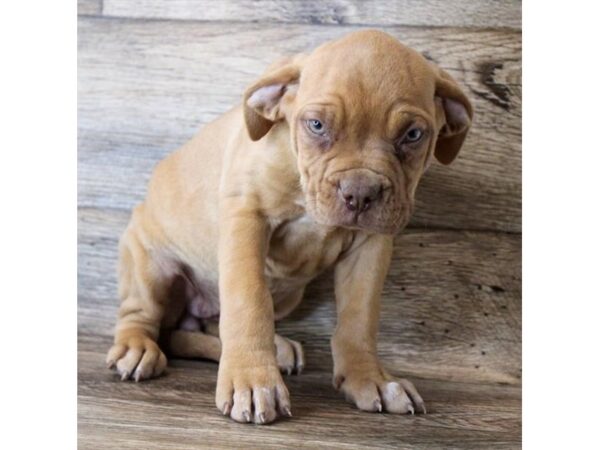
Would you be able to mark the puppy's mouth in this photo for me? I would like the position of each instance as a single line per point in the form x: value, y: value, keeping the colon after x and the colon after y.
x: 386, y: 216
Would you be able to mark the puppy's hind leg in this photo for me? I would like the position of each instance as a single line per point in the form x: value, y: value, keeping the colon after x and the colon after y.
x: 143, y: 288
x: 192, y: 344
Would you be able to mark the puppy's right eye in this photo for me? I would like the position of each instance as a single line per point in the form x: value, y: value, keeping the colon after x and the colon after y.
x: 316, y: 127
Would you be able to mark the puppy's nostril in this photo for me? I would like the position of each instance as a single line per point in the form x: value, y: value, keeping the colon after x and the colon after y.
x: 351, y: 202
x: 366, y: 203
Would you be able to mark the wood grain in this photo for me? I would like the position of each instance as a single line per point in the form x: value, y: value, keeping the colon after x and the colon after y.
x: 146, y: 86
x: 177, y: 412
x: 451, y: 313
x: 451, y: 304
x: 89, y: 7
x: 465, y: 13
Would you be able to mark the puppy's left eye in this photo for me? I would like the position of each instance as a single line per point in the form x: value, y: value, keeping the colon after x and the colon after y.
x: 413, y: 135
x: 316, y: 127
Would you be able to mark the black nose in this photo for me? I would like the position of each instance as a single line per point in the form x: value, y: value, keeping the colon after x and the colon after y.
x: 359, y: 194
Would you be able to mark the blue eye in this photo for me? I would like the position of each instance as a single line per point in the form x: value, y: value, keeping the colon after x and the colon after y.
x: 413, y: 135
x: 316, y: 126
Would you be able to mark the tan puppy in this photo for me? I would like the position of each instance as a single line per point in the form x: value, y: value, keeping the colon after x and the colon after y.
x: 317, y: 168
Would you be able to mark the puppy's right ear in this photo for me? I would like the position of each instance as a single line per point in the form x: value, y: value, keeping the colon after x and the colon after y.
x: 265, y: 101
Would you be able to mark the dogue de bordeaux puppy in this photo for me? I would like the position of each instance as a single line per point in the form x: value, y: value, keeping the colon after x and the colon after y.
x: 317, y: 168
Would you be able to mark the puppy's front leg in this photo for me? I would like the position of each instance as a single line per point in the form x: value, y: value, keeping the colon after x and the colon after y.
x: 249, y: 386
x: 359, y: 279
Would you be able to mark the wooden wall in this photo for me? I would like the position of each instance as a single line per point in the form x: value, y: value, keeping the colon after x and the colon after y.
x: 151, y: 72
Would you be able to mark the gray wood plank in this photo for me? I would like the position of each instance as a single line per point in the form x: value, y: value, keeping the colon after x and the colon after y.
x: 177, y: 412
x: 451, y: 305
x: 89, y: 7
x: 464, y: 13
x: 451, y: 316
x: 146, y: 87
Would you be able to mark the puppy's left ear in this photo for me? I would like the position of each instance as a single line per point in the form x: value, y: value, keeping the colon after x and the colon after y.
x: 266, y: 100
x: 456, y: 114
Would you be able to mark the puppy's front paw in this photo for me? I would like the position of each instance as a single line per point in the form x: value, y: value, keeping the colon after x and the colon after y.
x: 136, y: 357
x: 251, y: 393
x: 380, y: 392
x: 290, y: 356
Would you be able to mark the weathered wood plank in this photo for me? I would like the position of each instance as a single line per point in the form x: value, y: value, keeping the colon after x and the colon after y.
x: 463, y: 13
x: 145, y: 87
x: 89, y: 7
x: 177, y: 412
x: 451, y: 305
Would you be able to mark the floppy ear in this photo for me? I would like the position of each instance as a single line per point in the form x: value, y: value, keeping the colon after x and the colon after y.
x: 457, y: 114
x: 264, y: 102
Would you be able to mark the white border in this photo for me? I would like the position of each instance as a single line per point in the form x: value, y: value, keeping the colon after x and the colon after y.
x: 561, y: 148
x: 38, y: 196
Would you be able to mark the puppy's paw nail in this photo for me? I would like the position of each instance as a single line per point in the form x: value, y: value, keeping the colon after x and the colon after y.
x: 226, y: 408
x: 287, y: 411
x: 377, y: 405
x: 246, y: 415
x: 289, y: 371
x: 299, y: 369
x: 411, y: 409
x: 137, y: 376
x: 124, y: 376
x: 262, y: 418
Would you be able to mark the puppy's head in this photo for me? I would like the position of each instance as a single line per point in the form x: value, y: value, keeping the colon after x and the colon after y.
x: 366, y: 116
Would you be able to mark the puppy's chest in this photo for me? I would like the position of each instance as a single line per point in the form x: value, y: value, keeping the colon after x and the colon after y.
x: 301, y: 249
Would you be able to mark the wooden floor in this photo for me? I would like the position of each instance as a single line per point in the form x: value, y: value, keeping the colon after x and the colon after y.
x: 152, y: 71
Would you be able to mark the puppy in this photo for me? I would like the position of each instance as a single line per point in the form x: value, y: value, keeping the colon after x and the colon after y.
x: 317, y: 168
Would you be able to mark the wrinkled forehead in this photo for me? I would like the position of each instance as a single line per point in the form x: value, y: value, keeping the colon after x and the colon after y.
x: 370, y: 76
